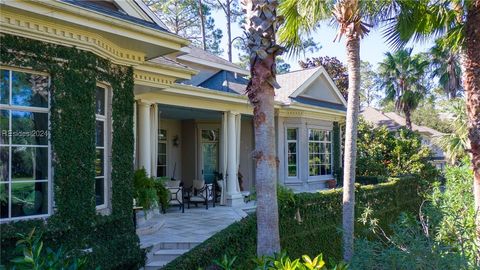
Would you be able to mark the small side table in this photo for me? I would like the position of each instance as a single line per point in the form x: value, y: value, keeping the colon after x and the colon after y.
x: 135, y: 210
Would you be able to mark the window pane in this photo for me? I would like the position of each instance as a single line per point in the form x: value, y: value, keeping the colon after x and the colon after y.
x: 292, y: 170
x: 322, y: 147
x: 100, y: 101
x: 162, y: 148
x: 29, y: 89
x: 99, y: 191
x: 4, y: 126
x: 161, y: 171
x: 328, y: 136
x: 210, y: 135
x: 3, y: 163
x: 99, y: 161
x: 162, y: 135
x: 322, y: 159
x: 292, y: 159
x: 292, y: 148
x: 314, y: 148
x: 292, y: 134
x: 323, y: 170
x: 314, y: 170
x: 328, y: 169
x: 162, y: 160
x: 99, y: 133
x: 328, y: 148
x: 29, y: 163
x: 29, y: 128
x: 4, y: 86
x: 4, y: 200
x: 29, y: 199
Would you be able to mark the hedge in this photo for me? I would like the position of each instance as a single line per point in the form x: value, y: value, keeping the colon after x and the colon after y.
x: 75, y: 225
x: 309, y: 224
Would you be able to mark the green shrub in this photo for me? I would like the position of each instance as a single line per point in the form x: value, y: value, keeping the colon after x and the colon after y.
x: 145, y: 192
x: 162, y: 192
x: 34, y: 255
x: 381, y: 152
x: 282, y: 262
x: 442, y: 238
x: 309, y: 224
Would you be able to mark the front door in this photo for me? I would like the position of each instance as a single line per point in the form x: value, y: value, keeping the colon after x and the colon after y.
x: 209, y: 145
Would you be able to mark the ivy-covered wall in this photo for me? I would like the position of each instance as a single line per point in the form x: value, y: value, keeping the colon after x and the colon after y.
x: 75, y: 224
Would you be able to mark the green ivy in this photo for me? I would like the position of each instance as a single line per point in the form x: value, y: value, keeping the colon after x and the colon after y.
x: 75, y: 225
x: 310, y: 224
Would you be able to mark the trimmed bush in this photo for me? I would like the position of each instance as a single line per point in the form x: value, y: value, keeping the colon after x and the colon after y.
x: 309, y: 224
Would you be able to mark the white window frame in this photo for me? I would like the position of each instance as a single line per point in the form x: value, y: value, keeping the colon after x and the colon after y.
x: 324, y: 176
x: 166, y: 151
x: 10, y: 145
x: 297, y: 152
x: 107, y: 125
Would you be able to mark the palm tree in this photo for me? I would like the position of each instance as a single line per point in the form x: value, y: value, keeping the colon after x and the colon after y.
x: 302, y: 17
x: 446, y: 68
x: 401, y: 75
x: 457, y: 22
x: 456, y: 143
x: 261, y: 27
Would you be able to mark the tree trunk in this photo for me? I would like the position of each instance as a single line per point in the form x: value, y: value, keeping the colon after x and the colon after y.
x: 229, y: 29
x: 260, y: 26
x: 353, y: 63
x: 202, y: 24
x: 471, y: 81
x: 408, y: 118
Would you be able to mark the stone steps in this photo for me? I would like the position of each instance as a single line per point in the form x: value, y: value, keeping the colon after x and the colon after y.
x: 161, y: 253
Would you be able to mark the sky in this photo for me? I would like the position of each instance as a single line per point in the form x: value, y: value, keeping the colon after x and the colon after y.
x: 372, y: 48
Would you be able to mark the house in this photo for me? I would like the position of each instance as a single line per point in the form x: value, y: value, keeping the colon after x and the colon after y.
x: 394, y: 121
x: 92, y: 90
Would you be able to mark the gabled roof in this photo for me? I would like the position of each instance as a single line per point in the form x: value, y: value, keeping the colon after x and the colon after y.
x: 196, y: 55
x: 394, y: 121
x: 119, y: 14
x: 293, y: 84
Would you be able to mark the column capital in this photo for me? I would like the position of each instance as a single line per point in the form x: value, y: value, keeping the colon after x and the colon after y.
x: 143, y: 102
x: 233, y: 112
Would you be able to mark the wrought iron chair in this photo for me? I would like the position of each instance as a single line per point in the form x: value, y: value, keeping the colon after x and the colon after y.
x: 201, y: 193
x: 176, y: 194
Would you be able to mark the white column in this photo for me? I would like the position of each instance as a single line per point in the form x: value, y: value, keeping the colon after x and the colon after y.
x: 144, y: 142
x: 234, y: 197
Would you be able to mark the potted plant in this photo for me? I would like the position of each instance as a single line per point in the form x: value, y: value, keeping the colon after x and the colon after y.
x: 332, y: 183
x: 145, y: 193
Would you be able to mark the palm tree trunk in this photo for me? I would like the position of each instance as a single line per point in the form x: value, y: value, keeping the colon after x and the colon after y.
x: 353, y: 63
x: 472, y: 89
x: 261, y: 28
x: 408, y: 118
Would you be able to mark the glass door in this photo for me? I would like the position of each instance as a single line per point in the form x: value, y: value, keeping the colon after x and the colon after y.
x: 209, y: 145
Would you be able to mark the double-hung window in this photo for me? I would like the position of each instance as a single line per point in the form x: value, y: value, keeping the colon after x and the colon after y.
x: 24, y: 145
x: 292, y: 152
x: 101, y: 146
x: 319, y: 152
x: 162, y: 153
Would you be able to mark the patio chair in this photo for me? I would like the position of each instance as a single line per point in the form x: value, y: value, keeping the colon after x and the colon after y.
x: 176, y: 194
x: 201, y: 193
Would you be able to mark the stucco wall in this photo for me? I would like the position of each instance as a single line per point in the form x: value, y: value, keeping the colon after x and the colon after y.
x: 174, y: 153
x: 302, y: 182
x: 247, y: 165
x: 188, y: 151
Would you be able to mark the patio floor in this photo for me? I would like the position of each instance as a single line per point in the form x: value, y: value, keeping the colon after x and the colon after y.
x: 179, y: 232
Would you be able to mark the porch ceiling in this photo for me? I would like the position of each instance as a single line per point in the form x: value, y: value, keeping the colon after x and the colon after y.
x: 185, y: 113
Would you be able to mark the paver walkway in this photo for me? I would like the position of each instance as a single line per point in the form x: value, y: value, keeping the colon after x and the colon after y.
x: 180, y: 232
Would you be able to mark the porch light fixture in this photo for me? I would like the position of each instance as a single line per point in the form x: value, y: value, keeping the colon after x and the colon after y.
x: 175, y: 140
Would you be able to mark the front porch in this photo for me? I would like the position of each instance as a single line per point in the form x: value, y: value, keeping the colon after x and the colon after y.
x: 175, y: 233
x: 186, y: 144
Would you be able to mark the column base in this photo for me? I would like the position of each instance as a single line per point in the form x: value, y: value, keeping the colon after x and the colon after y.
x: 235, y: 200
